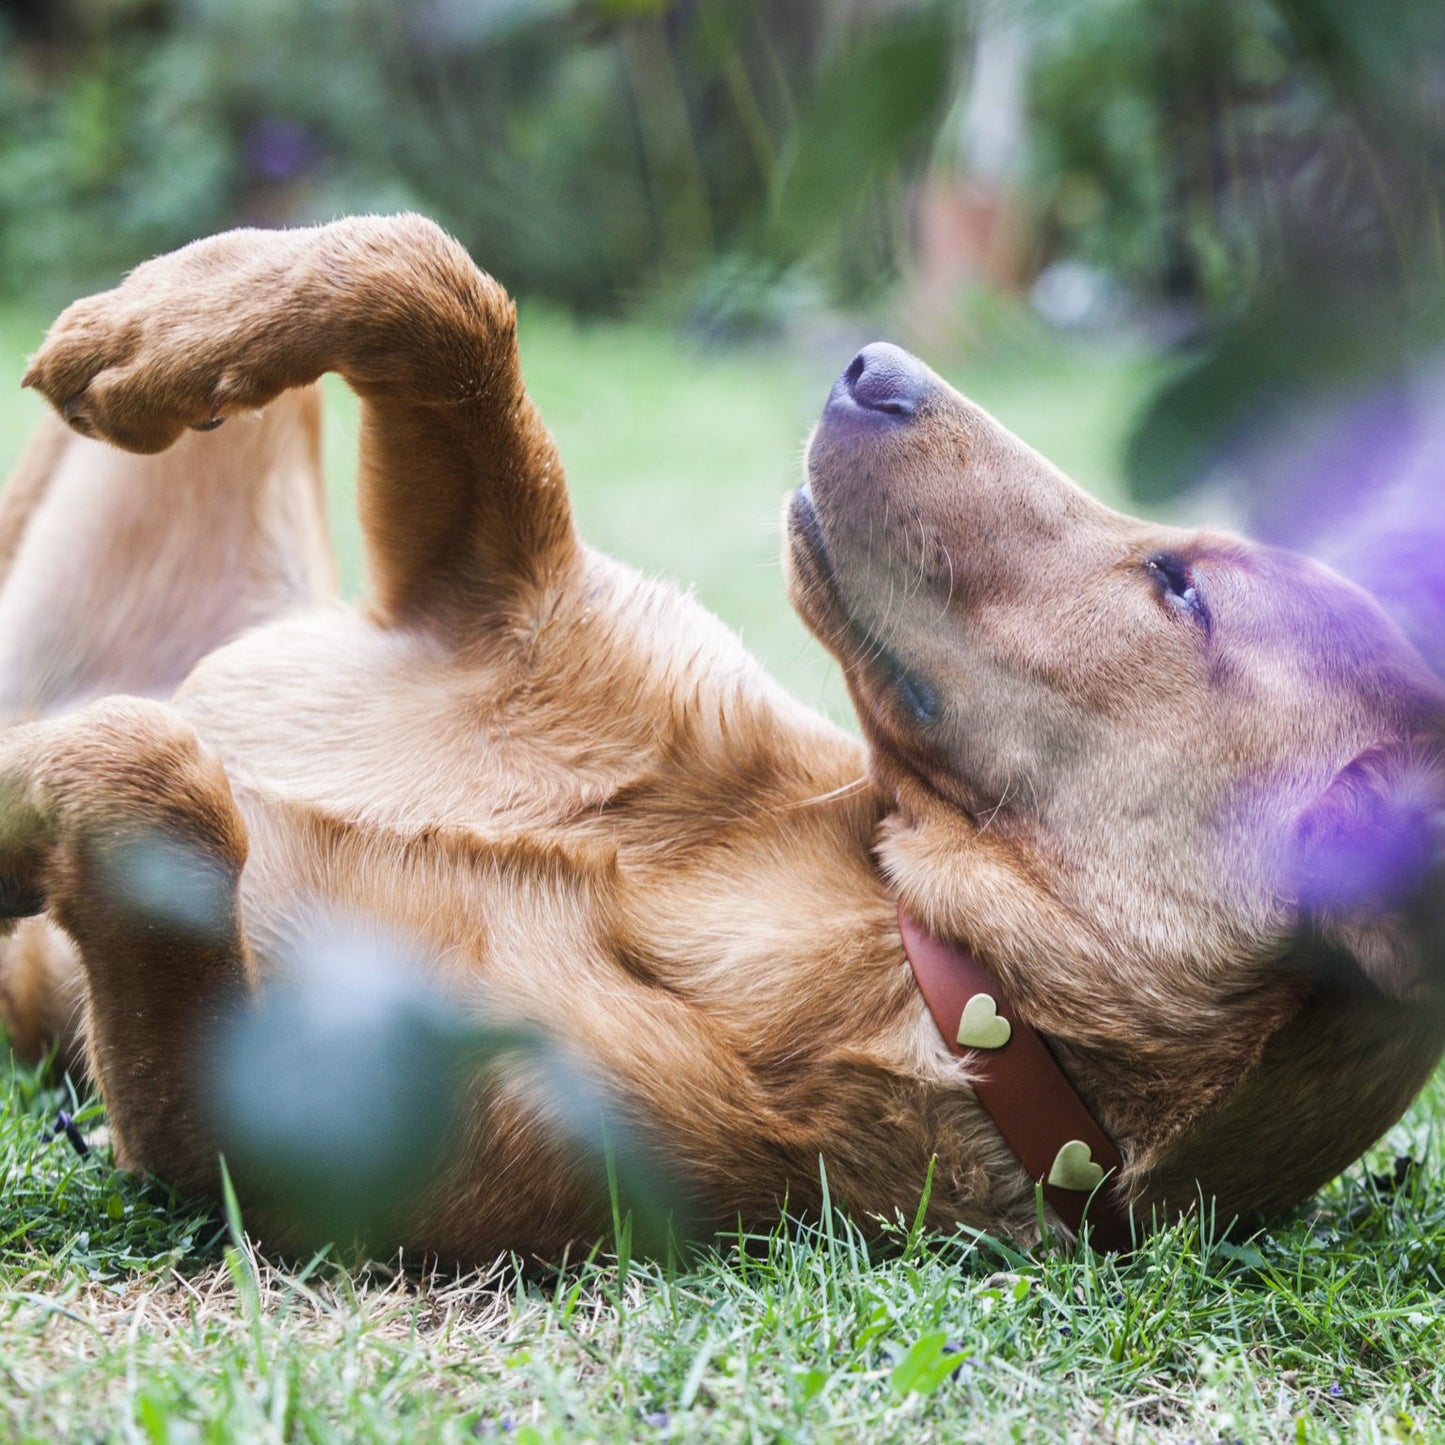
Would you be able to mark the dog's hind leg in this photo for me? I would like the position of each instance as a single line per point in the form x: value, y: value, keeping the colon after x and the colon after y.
x: 121, y: 825
x: 462, y: 499
x: 119, y: 573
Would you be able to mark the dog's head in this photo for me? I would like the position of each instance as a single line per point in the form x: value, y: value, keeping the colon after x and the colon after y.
x: 1181, y: 792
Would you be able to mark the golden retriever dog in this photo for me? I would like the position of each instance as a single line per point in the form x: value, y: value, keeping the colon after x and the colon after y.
x: 1172, y: 796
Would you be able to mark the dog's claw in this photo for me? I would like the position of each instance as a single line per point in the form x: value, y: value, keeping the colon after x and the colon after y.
x: 75, y: 417
x: 20, y: 899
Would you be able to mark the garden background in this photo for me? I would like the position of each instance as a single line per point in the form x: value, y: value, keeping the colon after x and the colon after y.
x: 1192, y: 251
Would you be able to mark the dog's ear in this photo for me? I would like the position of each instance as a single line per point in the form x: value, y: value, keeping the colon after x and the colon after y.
x: 1368, y: 869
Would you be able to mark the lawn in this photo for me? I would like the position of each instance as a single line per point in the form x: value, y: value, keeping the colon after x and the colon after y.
x: 127, y: 1315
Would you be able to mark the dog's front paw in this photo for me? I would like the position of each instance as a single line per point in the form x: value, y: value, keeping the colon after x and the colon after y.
x: 182, y: 342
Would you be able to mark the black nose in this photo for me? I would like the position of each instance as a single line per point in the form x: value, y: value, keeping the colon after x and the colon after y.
x: 886, y: 379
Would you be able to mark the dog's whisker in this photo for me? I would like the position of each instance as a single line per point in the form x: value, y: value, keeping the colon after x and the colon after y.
x: 831, y: 796
x: 987, y: 820
x: 948, y: 599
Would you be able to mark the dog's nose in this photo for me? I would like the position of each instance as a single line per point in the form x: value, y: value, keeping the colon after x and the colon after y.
x: 885, y: 379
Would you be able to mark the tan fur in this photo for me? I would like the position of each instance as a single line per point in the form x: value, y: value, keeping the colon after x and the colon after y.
x: 593, y: 810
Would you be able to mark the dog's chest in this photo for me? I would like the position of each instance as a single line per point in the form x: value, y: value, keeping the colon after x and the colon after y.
x: 388, y: 731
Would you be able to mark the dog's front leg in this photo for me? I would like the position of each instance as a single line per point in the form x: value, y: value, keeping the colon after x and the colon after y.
x: 462, y: 497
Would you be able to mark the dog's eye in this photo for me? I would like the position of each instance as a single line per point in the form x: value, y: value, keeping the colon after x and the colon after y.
x: 920, y: 698
x: 1176, y: 583
x: 914, y: 692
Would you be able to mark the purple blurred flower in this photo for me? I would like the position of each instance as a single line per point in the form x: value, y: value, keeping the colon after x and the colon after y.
x: 1360, y: 484
x: 1369, y: 841
x: 278, y: 149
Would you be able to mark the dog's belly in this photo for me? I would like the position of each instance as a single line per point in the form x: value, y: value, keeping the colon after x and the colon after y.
x: 383, y: 784
x: 373, y: 725
x: 666, y: 865
x: 382, y: 776
x: 640, y: 888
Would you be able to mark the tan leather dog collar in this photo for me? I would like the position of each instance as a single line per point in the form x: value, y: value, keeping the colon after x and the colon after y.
x: 1021, y: 1086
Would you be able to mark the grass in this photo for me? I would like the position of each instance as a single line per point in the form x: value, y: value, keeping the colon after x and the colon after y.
x: 126, y: 1314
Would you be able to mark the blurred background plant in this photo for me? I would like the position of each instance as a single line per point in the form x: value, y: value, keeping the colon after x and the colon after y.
x: 589, y: 150
x: 1206, y: 152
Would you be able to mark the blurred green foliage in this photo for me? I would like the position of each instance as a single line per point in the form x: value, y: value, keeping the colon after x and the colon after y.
x: 1225, y: 148
x: 1216, y: 150
x: 1278, y: 166
x: 1272, y: 170
x: 585, y: 149
x: 339, y: 1098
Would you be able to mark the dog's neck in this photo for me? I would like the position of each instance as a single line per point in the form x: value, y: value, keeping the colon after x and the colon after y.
x: 1022, y: 1088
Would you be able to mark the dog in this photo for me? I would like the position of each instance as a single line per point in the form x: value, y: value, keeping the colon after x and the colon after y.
x: 1172, y: 797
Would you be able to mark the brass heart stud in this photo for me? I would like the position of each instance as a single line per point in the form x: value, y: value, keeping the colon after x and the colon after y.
x: 1074, y: 1168
x: 981, y: 1027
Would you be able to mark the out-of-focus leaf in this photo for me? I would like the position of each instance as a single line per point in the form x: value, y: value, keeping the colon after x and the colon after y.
x: 344, y: 1094
x: 335, y: 1097
x: 1259, y: 382
x: 876, y: 105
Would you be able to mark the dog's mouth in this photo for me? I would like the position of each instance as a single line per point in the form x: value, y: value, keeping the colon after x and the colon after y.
x: 815, y: 586
x: 819, y: 597
x: 899, y: 707
x: 803, y: 519
x: 813, y: 564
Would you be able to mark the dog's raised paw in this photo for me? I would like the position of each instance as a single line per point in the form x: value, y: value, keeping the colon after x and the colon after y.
x: 184, y: 341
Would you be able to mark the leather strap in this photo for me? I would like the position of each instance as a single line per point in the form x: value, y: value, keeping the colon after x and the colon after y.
x: 1023, y: 1089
